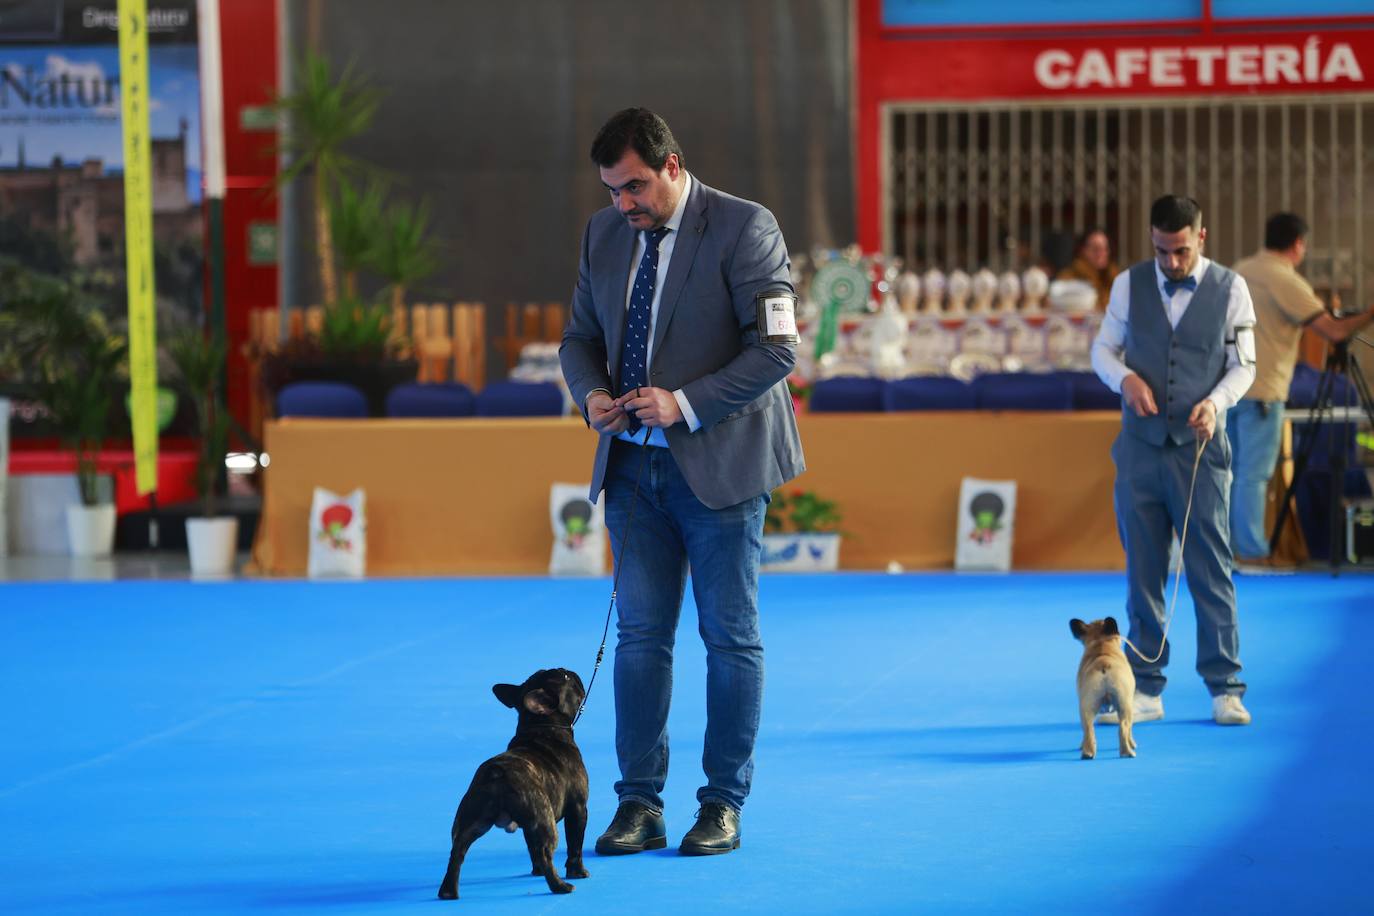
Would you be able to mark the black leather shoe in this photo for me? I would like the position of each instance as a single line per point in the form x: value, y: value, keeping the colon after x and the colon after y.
x: 716, y: 831
x: 633, y: 829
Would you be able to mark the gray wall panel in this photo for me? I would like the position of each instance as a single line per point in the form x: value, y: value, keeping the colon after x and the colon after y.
x: 491, y: 108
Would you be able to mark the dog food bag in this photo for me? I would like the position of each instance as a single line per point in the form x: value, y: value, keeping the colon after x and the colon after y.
x: 338, y: 534
x: 579, y: 532
x: 987, y: 510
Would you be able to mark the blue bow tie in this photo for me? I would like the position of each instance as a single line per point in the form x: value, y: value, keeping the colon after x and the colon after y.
x: 1173, y: 286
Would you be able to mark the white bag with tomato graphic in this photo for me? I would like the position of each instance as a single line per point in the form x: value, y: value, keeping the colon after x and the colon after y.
x: 338, y: 534
x: 579, y: 532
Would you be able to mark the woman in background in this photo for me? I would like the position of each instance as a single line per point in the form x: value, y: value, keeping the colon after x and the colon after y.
x: 1093, y: 264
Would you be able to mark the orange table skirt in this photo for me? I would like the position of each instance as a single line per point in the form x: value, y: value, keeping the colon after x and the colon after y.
x: 470, y: 496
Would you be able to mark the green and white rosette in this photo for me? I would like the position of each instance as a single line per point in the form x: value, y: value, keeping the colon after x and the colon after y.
x: 838, y: 287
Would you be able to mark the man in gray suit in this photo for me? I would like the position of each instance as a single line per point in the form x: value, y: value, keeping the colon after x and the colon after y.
x: 1178, y: 343
x: 665, y: 352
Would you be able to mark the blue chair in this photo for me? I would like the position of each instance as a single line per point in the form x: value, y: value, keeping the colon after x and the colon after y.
x: 1302, y: 395
x: 1089, y: 393
x: 929, y: 393
x: 1313, y: 499
x: 1302, y: 391
x: 321, y: 399
x: 847, y: 394
x: 445, y: 399
x: 520, y: 399
x: 1023, y: 391
x: 1330, y: 436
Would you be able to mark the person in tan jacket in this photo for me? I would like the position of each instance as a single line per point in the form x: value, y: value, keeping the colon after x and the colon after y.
x: 1093, y: 264
x: 1284, y: 304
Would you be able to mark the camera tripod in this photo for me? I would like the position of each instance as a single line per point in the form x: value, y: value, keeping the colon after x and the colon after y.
x: 1340, y: 434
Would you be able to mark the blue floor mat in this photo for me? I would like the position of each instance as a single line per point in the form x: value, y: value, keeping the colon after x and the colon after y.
x: 177, y: 747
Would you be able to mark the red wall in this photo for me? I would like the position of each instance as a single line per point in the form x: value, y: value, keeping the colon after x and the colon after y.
x: 248, y: 31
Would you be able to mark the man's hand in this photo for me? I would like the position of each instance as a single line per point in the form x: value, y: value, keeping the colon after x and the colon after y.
x: 653, y: 406
x: 1339, y: 330
x: 605, y: 414
x: 1203, y: 419
x: 1138, y: 396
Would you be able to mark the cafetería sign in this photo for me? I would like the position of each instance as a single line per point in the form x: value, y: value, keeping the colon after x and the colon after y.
x: 1157, y: 65
x: 1311, y: 64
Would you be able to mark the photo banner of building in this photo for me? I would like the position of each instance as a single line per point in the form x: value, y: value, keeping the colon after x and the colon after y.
x: 62, y: 159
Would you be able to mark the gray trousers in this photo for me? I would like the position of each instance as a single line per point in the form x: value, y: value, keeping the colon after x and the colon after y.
x: 1151, y: 496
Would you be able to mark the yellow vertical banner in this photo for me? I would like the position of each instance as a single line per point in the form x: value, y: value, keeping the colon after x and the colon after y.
x: 138, y: 237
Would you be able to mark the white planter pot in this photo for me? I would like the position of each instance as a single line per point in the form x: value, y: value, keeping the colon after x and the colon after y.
x: 801, y: 552
x: 90, y: 530
x: 212, y: 543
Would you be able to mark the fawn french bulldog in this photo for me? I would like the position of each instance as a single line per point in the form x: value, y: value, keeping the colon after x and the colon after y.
x: 1104, y: 673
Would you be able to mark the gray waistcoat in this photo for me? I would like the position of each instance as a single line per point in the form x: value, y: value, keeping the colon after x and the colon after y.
x: 1181, y: 365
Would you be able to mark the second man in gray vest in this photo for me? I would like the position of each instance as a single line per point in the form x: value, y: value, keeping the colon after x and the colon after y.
x: 1178, y: 343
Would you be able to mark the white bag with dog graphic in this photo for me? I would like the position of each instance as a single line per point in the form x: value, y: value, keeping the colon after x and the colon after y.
x: 338, y: 534
x: 987, y: 511
x: 579, y: 532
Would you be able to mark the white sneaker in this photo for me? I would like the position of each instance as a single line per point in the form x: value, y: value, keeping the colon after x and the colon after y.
x: 1145, y: 707
x: 1227, y: 709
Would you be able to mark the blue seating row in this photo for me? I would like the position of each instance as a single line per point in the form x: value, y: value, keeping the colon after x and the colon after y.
x: 452, y: 399
x: 994, y: 391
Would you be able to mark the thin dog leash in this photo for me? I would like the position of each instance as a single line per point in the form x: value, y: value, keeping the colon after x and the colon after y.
x: 619, y: 565
x: 1178, y: 573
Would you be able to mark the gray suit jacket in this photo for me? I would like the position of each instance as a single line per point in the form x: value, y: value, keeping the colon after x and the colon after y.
x: 706, y: 342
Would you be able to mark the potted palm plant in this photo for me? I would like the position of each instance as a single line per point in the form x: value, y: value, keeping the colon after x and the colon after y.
x: 352, y: 231
x: 355, y: 218
x: 322, y: 114
x: 404, y: 254
x: 81, y: 397
x: 73, y: 365
x: 211, y: 538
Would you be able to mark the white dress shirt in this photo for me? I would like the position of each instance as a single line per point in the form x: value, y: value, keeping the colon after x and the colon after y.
x: 1110, y: 343
x: 665, y: 257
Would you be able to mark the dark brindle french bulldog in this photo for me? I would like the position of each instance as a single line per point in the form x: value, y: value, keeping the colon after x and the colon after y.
x: 538, y: 781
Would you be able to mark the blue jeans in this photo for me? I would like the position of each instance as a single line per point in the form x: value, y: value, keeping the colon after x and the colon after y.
x: 1255, y: 429
x: 672, y: 532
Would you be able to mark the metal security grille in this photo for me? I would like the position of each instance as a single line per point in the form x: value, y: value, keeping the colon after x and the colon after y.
x: 1004, y: 186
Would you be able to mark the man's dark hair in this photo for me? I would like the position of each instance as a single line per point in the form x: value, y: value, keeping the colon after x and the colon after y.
x: 1172, y: 213
x: 1282, y: 230
x: 638, y: 129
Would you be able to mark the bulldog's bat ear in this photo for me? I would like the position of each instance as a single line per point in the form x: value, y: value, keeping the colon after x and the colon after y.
x: 508, y: 694
x: 1109, y: 627
x: 1077, y: 628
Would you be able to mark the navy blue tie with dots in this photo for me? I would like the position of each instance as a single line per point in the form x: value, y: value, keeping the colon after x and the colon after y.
x: 635, y: 348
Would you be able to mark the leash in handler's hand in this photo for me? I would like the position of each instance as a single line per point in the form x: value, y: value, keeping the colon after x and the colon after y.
x: 619, y: 565
x: 1178, y: 573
